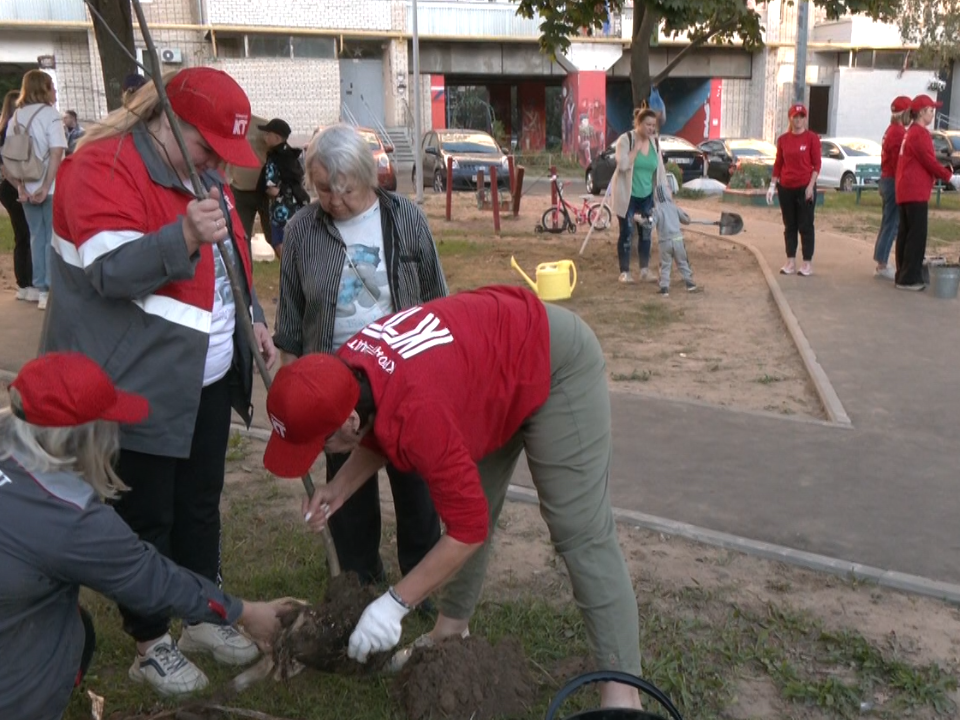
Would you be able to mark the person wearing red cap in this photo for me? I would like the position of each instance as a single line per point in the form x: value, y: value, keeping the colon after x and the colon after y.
x: 795, y: 172
x: 917, y: 170
x: 140, y: 286
x: 57, y: 442
x: 454, y: 389
x: 889, y: 155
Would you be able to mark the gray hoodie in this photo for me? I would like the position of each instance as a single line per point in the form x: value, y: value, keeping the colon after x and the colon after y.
x: 667, y: 218
x: 56, y: 535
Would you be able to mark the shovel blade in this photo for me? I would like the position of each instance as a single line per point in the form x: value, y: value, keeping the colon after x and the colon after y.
x: 730, y: 223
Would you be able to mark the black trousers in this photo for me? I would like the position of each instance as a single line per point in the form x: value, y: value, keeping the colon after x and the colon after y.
x: 174, y: 503
x: 911, y: 242
x: 250, y: 203
x: 22, y: 262
x: 797, y: 214
x: 356, y: 525
x: 89, y: 645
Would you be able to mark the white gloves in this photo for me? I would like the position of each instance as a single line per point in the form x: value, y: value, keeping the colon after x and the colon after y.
x: 955, y: 181
x: 379, y: 628
x: 770, y: 192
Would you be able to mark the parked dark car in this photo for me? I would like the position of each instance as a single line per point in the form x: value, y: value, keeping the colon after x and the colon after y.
x: 725, y: 155
x: 691, y: 161
x: 470, y: 150
x: 946, y: 144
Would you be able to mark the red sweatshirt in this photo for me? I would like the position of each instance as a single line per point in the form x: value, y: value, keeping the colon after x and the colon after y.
x: 798, y: 157
x: 892, y: 140
x: 918, y: 167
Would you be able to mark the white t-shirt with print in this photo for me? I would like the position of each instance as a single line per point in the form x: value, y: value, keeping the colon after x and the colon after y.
x: 364, y: 293
x: 47, y: 133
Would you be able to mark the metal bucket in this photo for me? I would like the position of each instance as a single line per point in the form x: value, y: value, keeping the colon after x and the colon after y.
x: 612, y: 713
x: 944, y: 281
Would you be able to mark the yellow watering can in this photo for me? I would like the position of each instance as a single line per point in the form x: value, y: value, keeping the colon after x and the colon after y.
x: 554, y: 281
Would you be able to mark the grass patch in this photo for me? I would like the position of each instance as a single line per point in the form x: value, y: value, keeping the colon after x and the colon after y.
x: 635, y: 376
x: 236, y: 447
x: 6, y: 235
x: 697, y: 643
x: 766, y: 379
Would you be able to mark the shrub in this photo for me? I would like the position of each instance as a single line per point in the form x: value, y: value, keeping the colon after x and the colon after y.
x: 674, y: 169
x: 751, y: 175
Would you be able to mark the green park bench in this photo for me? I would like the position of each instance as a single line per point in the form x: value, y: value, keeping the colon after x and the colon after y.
x: 867, y: 177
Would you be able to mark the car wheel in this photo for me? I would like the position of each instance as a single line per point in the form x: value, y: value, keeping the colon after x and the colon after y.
x: 591, y: 185
x: 438, y: 184
x: 847, y: 182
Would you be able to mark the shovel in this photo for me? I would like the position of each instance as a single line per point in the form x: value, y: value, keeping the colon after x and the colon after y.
x: 729, y: 223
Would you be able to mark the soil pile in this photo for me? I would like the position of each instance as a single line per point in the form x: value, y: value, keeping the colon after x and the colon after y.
x: 462, y: 679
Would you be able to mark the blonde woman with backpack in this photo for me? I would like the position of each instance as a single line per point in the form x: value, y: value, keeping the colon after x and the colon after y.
x: 37, y: 116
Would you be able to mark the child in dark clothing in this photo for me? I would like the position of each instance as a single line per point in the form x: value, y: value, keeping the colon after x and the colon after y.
x: 282, y: 179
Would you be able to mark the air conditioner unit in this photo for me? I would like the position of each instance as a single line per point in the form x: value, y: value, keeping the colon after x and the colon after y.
x: 171, y: 56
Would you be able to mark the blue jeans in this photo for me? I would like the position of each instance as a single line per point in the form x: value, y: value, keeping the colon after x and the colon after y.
x: 40, y: 220
x: 644, y: 206
x: 276, y: 234
x: 889, y: 223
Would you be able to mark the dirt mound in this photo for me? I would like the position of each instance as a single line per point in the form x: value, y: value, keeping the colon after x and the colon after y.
x: 463, y: 679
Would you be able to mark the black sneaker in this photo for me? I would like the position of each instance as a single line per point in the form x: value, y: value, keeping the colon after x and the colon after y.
x: 665, y: 291
x: 693, y: 287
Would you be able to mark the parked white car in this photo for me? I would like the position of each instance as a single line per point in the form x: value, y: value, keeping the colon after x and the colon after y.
x: 839, y: 160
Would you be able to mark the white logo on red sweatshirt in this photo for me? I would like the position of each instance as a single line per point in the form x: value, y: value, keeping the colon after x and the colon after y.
x: 427, y: 334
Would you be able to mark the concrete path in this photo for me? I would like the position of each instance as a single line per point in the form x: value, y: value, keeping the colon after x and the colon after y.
x: 882, y: 491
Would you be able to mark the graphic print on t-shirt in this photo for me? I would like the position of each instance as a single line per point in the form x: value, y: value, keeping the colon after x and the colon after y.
x: 402, y: 339
x: 363, y: 282
x: 222, y: 289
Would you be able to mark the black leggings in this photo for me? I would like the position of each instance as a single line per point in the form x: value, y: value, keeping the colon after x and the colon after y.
x: 797, y: 214
x: 89, y: 645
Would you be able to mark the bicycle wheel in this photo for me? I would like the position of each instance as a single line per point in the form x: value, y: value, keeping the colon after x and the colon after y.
x: 599, y: 217
x: 554, y: 221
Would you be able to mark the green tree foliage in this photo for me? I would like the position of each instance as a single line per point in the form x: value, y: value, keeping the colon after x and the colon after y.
x: 718, y: 21
x: 934, y: 25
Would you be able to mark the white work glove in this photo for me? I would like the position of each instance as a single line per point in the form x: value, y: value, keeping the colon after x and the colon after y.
x: 955, y: 181
x: 379, y: 628
x: 770, y: 192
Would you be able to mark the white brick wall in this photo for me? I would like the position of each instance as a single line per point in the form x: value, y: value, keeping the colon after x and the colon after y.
x: 860, y: 99
x: 327, y: 14
x: 79, y: 84
x: 305, y: 93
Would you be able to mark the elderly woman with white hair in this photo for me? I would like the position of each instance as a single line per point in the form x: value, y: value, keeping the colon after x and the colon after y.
x: 357, y: 254
x: 58, y: 440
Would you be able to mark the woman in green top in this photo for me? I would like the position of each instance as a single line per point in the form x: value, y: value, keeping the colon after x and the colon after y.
x: 633, y: 180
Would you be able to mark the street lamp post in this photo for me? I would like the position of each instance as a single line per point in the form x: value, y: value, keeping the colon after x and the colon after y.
x: 417, y: 121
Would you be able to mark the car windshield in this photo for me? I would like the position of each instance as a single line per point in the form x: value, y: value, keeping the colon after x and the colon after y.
x: 477, y: 143
x: 955, y: 141
x: 752, y: 149
x: 371, y: 140
x: 861, y: 148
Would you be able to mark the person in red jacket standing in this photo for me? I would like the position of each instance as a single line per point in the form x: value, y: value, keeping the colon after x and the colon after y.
x: 794, y: 178
x: 890, y: 154
x: 917, y: 170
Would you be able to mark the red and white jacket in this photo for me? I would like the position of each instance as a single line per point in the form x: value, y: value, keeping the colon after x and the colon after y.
x: 125, y: 292
x: 918, y: 167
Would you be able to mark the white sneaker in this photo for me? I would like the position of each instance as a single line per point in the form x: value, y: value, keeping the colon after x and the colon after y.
x: 165, y: 668
x: 224, y: 642
x: 42, y: 300
x: 887, y: 273
x: 625, y: 278
x: 806, y: 269
x: 789, y: 268
x: 28, y: 294
x: 647, y: 276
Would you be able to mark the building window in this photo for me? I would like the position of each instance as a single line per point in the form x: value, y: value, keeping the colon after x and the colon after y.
x: 268, y: 46
x: 889, y: 59
x: 306, y: 46
x: 843, y: 59
x: 230, y: 46
x: 863, y: 59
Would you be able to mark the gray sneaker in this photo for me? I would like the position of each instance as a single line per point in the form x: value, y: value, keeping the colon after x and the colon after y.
x: 165, y: 668
x: 224, y: 642
x: 664, y: 291
x: 693, y: 287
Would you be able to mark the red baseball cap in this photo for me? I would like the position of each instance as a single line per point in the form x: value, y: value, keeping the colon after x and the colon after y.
x: 218, y: 108
x: 797, y: 109
x: 924, y: 101
x: 69, y: 389
x: 900, y: 104
x: 308, y: 401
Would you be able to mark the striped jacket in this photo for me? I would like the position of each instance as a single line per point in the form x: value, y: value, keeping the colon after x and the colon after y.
x: 314, y: 255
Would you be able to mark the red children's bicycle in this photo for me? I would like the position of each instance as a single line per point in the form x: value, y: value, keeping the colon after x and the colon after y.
x: 566, y: 216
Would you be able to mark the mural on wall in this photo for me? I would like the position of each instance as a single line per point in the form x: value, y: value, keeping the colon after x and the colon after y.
x: 693, y: 108
x: 533, y: 116
x: 584, y: 121
x: 438, y: 102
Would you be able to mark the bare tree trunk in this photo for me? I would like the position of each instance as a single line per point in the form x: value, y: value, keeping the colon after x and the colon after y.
x: 644, y: 22
x: 116, y: 65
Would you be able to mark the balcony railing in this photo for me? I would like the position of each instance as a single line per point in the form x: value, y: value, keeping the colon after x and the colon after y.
x: 43, y: 10
x: 471, y: 19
